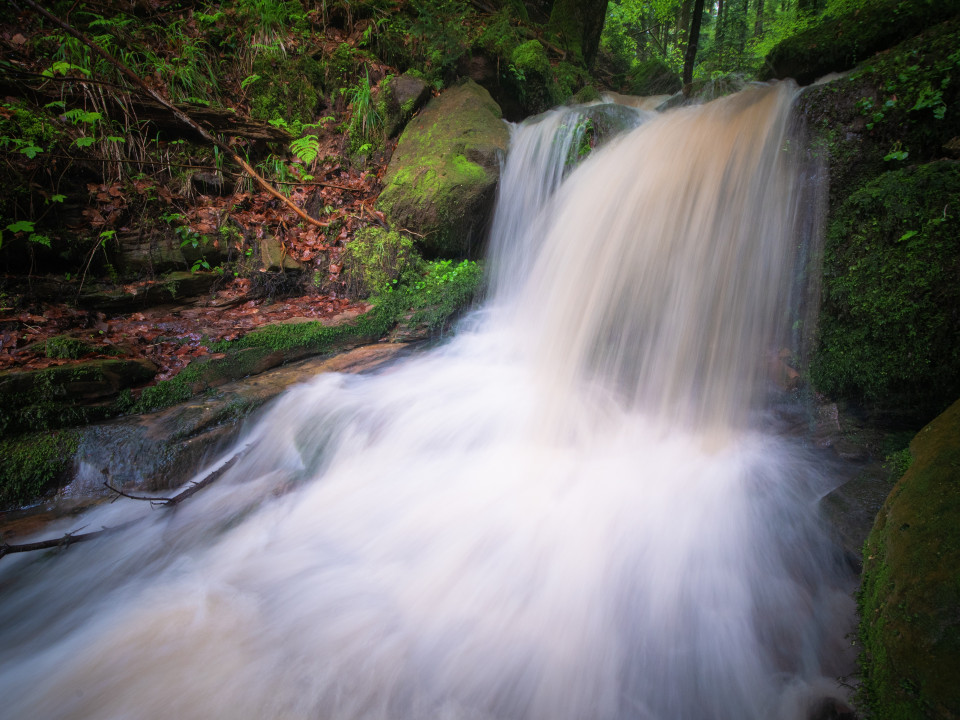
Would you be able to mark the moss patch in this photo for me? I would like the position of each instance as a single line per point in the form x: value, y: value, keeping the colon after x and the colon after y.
x: 34, y: 463
x: 889, y: 334
x: 288, y: 88
x: 910, y: 594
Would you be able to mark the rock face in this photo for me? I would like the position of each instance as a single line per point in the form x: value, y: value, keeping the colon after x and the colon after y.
x: 442, y: 179
x: 910, y: 596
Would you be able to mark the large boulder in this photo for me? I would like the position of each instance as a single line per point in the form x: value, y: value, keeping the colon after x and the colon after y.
x: 910, y: 596
x: 441, y: 182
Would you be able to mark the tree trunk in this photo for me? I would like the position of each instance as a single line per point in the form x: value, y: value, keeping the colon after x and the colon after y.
x: 577, y: 24
x: 720, y: 33
x: 692, y: 43
x: 758, y: 26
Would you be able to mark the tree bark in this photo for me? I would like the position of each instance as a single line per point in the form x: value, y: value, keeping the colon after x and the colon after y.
x: 577, y: 24
x: 694, y: 40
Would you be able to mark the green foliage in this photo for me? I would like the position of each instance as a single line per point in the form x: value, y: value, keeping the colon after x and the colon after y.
x: 374, y: 258
x: 366, y: 122
x: 287, y: 88
x: 64, y: 347
x: 889, y: 335
x: 32, y: 464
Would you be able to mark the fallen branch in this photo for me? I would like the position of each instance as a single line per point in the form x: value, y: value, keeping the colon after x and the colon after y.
x: 177, y: 112
x: 64, y: 541
x: 70, y: 538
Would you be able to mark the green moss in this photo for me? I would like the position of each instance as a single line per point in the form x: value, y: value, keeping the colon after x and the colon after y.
x: 66, y: 395
x: 65, y: 347
x: 889, y: 333
x: 32, y: 464
x: 374, y: 257
x: 910, y: 629
x: 530, y: 57
x: 288, y: 88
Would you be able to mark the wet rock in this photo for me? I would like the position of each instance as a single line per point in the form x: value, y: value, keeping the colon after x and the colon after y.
x: 208, y: 183
x: 441, y: 182
x: 829, y: 708
x: 160, y: 450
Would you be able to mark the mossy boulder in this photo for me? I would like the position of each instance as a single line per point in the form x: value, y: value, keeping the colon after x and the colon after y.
x: 900, y: 107
x: 910, y: 594
x: 839, y: 42
x: 441, y: 182
x: 889, y: 335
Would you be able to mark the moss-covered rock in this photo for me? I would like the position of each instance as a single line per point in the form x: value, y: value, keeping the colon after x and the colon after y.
x: 34, y: 463
x: 889, y: 335
x: 441, y: 182
x: 653, y: 77
x: 900, y: 107
x: 405, y: 94
x: 910, y: 594
x: 68, y: 394
x: 839, y: 42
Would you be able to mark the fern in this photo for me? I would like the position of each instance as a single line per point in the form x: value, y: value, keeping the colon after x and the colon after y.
x: 306, y: 149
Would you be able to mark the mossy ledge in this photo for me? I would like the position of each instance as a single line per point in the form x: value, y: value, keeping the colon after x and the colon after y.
x: 910, y: 591
x: 416, y: 306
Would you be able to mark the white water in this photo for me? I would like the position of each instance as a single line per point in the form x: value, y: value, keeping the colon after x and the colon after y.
x: 571, y: 511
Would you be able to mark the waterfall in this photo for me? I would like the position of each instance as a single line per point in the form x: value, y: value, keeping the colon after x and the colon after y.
x: 577, y: 508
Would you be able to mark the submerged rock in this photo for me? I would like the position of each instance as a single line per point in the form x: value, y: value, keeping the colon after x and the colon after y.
x: 909, y: 600
x: 441, y: 183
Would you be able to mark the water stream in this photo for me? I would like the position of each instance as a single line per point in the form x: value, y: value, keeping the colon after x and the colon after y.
x: 580, y: 507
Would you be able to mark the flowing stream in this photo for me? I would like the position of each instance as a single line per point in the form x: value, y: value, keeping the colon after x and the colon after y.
x: 580, y: 507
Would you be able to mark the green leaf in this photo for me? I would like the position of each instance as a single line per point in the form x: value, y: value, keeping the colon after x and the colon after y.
x: 39, y: 239
x: 83, y: 142
x: 31, y: 151
x: 248, y: 81
x: 63, y: 68
x: 20, y: 226
x: 907, y: 235
x: 58, y: 198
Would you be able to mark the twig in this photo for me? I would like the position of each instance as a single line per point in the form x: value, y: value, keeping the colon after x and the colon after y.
x: 177, y: 112
x: 151, y: 500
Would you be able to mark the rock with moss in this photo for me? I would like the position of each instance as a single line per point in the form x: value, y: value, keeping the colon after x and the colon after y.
x: 910, y: 593
x: 374, y: 258
x: 901, y: 107
x: 405, y: 94
x: 68, y: 394
x: 441, y: 182
x: 889, y: 335
x: 33, y: 464
x: 841, y: 41
x: 653, y: 77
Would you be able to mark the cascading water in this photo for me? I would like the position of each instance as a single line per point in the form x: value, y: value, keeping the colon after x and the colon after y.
x: 567, y: 512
